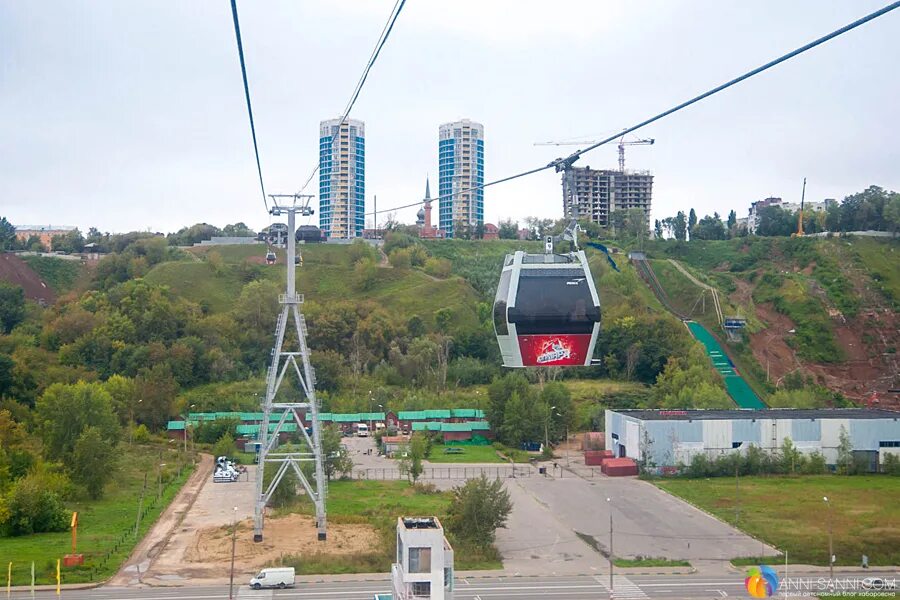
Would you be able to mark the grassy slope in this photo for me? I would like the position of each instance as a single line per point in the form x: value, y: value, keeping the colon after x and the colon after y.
x: 326, y: 276
x: 61, y: 275
x: 788, y: 512
x: 880, y: 258
x: 105, y: 527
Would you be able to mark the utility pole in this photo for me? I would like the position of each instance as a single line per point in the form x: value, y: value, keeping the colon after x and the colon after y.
x: 609, y: 506
x: 289, y: 410
x: 233, y: 543
x: 737, y: 490
x: 830, y: 541
x: 137, y: 524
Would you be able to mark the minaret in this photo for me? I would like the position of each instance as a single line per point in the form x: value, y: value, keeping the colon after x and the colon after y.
x: 427, y: 205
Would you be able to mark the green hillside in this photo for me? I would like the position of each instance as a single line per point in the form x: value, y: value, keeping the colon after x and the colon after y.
x: 826, y: 300
x: 327, y: 275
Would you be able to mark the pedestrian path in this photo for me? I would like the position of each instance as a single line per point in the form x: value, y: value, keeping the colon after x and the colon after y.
x: 623, y: 588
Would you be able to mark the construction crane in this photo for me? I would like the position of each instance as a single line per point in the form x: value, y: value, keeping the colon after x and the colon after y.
x: 800, y: 215
x: 622, y: 144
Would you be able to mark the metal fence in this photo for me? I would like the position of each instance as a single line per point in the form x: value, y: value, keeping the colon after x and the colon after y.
x: 447, y: 473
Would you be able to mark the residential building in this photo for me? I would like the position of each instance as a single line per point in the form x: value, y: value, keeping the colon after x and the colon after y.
x: 423, y: 218
x: 342, y: 178
x: 490, y: 232
x: 594, y: 194
x: 424, y: 567
x: 808, y: 207
x: 44, y: 233
x: 461, y: 173
x: 673, y: 437
x: 755, y: 207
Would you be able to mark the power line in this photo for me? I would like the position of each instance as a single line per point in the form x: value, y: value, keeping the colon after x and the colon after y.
x: 240, y: 46
x: 385, y: 33
x: 561, y: 164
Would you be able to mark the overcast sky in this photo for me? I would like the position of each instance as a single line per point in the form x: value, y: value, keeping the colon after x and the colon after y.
x: 130, y: 115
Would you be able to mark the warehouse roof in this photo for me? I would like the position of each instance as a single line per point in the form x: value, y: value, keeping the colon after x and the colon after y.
x: 768, y: 413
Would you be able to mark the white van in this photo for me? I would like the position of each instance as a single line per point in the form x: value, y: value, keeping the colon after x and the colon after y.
x: 362, y: 430
x: 279, y: 577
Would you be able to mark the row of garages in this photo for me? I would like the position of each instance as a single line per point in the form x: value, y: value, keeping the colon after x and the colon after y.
x: 673, y: 437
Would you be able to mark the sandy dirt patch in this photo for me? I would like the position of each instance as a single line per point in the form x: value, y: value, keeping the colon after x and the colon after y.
x: 291, y: 534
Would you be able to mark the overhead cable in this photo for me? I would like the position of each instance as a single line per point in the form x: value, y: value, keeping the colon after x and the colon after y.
x: 240, y: 46
x: 382, y: 39
x: 562, y: 164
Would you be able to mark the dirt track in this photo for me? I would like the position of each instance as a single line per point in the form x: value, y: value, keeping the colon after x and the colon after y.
x: 16, y: 271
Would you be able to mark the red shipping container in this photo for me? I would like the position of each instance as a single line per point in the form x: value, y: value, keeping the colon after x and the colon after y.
x: 618, y: 467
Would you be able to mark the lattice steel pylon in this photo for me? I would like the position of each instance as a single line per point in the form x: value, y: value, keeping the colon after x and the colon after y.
x: 282, y: 412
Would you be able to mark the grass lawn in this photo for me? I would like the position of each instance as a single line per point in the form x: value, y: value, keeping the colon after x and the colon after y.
x: 649, y: 562
x: 379, y: 503
x: 789, y: 513
x: 105, y: 527
x: 470, y: 454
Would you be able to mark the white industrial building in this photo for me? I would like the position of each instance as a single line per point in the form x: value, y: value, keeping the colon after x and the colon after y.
x: 672, y: 437
x: 424, y: 567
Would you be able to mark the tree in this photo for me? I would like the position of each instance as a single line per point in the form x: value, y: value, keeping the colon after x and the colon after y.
x: 892, y: 213
x: 679, y: 226
x: 365, y: 274
x: 224, y: 446
x: 411, y: 464
x: 157, y: 389
x: 64, y: 411
x: 844, y: 453
x: 478, y: 508
x: 791, y: 459
x: 12, y: 306
x: 336, y: 458
x: 33, y: 506
x: 692, y: 222
x: 93, y: 461
x: 709, y: 228
x: 509, y: 229
x: 7, y: 234
x: 657, y: 229
x: 732, y: 220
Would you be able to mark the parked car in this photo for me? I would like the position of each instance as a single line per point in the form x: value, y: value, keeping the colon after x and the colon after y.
x: 280, y: 577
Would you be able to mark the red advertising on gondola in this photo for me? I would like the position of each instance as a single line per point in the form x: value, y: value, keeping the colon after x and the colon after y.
x: 554, y: 350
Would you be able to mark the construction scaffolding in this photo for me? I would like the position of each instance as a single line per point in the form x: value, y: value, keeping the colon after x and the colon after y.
x: 288, y: 410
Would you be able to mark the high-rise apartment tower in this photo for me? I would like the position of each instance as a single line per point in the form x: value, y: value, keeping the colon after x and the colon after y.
x: 460, y: 169
x: 342, y: 178
x: 593, y: 195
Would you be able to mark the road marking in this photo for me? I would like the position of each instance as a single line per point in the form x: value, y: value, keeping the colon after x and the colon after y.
x: 723, y: 592
x: 623, y: 588
x: 248, y: 594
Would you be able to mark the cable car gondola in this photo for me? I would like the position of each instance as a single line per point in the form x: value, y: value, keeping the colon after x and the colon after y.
x: 546, y: 311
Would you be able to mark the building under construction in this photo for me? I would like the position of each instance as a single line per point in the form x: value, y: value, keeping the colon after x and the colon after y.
x: 594, y: 194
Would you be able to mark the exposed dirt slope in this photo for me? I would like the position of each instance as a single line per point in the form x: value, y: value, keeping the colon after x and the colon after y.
x: 15, y: 271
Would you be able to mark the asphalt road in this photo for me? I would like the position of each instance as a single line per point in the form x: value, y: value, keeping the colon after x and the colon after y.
x: 632, y: 587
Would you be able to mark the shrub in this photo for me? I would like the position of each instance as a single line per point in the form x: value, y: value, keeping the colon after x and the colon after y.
x: 438, y: 267
x: 224, y: 446
x: 478, y: 508
x: 34, y: 506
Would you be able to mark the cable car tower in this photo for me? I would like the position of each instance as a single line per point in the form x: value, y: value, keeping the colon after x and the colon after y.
x: 296, y: 361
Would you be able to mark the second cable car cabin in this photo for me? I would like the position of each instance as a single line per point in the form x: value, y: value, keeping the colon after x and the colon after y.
x: 546, y: 312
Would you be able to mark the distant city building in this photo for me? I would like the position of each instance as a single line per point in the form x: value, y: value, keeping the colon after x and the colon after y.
x: 461, y: 168
x: 594, y: 194
x: 490, y: 232
x: 808, y: 207
x: 423, y: 218
x: 755, y: 207
x: 342, y: 178
x: 44, y: 232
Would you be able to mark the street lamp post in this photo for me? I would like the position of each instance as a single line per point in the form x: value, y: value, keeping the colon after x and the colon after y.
x: 830, y: 540
x: 609, y: 506
x: 186, y: 430
x: 547, y: 429
x: 566, y: 425
x: 233, y: 543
